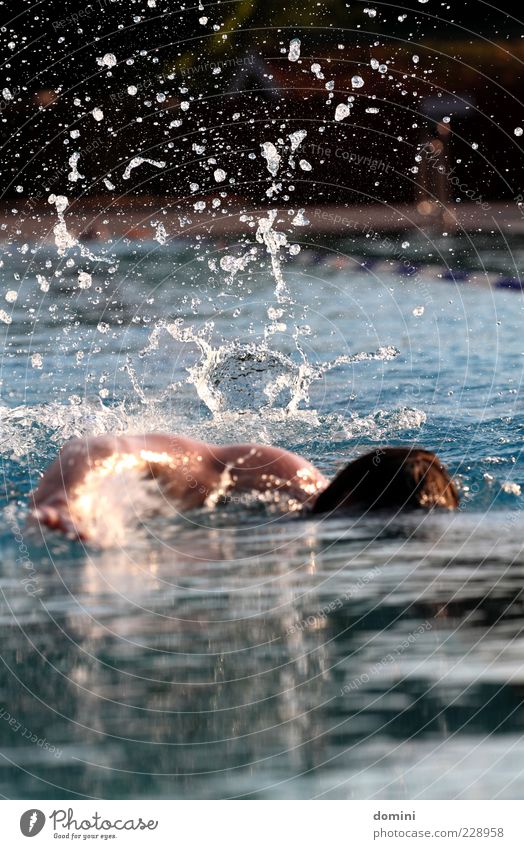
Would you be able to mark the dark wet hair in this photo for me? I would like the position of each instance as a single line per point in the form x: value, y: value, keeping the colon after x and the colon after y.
x: 390, y: 478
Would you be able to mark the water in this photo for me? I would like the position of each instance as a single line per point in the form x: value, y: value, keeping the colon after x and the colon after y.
x: 224, y: 654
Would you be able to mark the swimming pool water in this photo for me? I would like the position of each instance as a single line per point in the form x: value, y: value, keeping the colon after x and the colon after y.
x: 224, y: 654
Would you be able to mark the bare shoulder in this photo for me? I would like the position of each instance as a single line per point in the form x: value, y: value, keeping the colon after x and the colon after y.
x: 271, y: 461
x: 172, y: 443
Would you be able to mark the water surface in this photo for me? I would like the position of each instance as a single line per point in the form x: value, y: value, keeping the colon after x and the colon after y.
x: 230, y: 653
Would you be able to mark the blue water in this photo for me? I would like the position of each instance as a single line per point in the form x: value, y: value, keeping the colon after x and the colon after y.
x: 227, y: 653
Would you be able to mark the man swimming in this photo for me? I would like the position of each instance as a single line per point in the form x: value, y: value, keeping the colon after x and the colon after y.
x: 191, y: 474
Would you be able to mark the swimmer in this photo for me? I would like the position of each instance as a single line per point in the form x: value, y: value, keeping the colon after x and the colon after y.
x: 191, y: 474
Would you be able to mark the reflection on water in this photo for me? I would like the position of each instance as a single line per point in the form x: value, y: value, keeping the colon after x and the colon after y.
x: 310, y: 658
x: 230, y: 654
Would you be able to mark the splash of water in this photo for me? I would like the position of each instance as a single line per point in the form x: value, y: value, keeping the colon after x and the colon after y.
x: 239, y: 377
x: 274, y: 241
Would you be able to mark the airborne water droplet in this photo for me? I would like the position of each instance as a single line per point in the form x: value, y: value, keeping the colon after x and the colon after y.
x: 341, y: 112
x: 294, y: 50
x: 272, y: 157
x: 109, y: 60
x: 84, y: 280
x: 297, y: 138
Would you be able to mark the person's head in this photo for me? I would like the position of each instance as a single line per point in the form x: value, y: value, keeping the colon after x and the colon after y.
x: 390, y: 478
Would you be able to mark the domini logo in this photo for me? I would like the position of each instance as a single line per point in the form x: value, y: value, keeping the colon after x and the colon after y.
x: 32, y: 822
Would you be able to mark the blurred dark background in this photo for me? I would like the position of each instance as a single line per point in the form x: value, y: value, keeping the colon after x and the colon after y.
x: 200, y: 86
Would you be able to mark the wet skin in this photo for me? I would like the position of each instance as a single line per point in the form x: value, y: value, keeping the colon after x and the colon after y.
x: 190, y: 474
x: 187, y: 471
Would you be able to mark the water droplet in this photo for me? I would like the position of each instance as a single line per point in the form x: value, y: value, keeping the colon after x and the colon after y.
x: 11, y: 296
x: 84, y: 280
x: 139, y: 160
x: 518, y: 131
x: 219, y: 175
x: 272, y: 157
x: 97, y: 114
x: 297, y: 138
x: 108, y: 60
x: 341, y: 112
x: 294, y: 50
x: 357, y: 81
x: 418, y: 311
x: 37, y: 361
x: 305, y: 165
